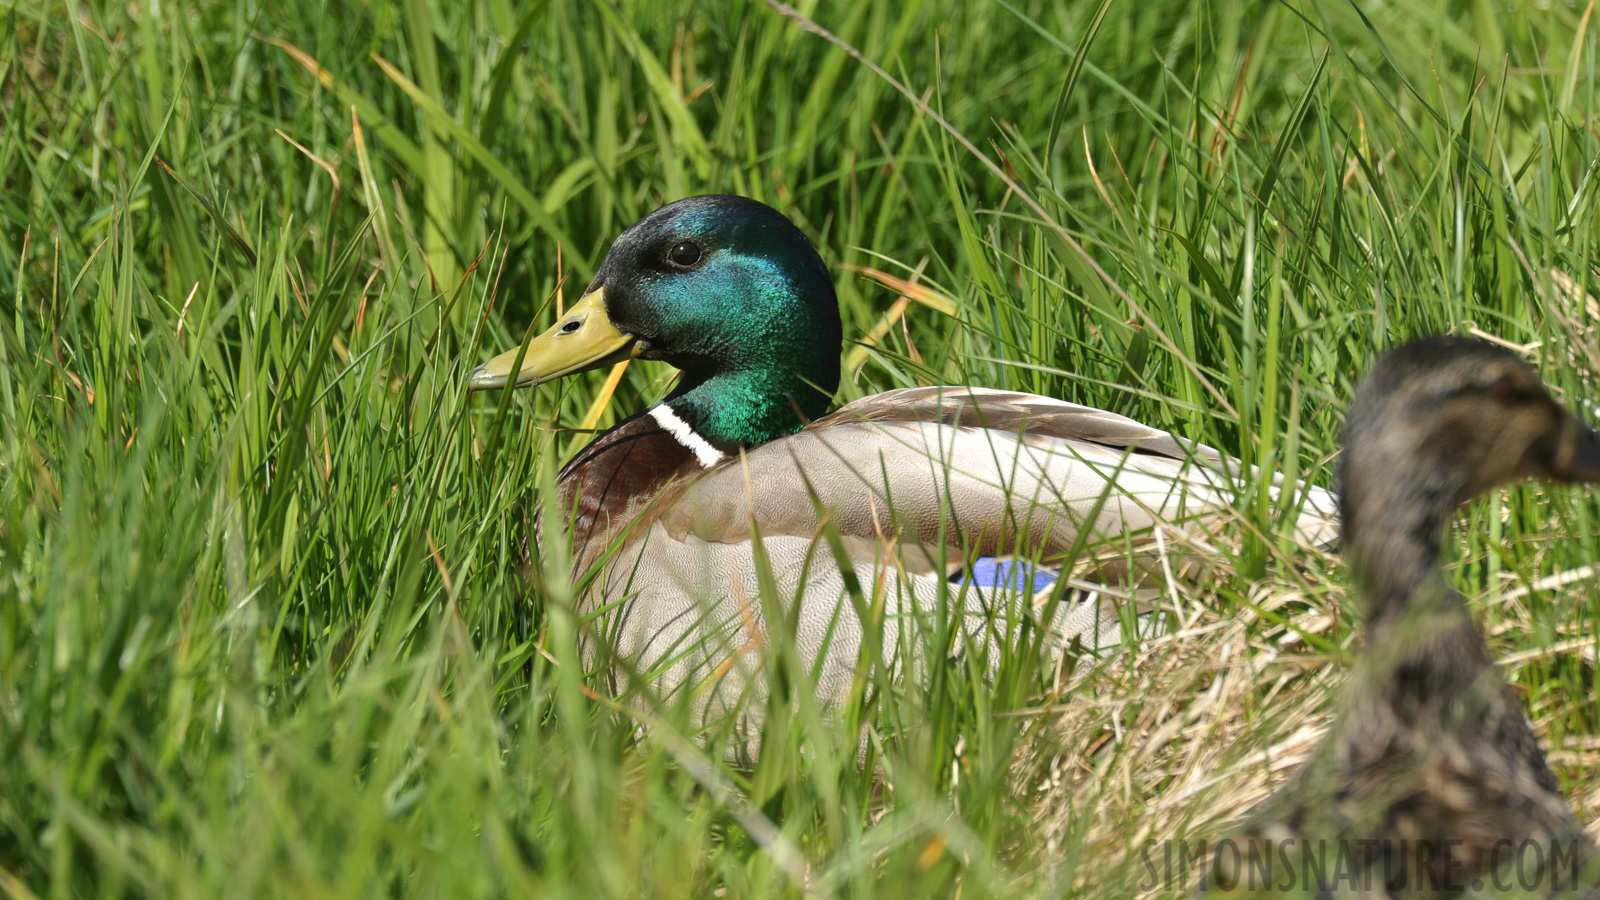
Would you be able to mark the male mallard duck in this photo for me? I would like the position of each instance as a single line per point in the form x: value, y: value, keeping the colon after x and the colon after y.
x: 1431, y: 777
x: 915, y: 482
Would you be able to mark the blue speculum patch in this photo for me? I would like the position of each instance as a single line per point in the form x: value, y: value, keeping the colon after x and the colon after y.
x: 1007, y: 574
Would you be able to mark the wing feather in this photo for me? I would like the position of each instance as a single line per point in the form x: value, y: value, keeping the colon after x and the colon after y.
x: 913, y: 482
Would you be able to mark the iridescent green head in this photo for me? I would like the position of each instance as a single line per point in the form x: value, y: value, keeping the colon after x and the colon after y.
x: 724, y: 288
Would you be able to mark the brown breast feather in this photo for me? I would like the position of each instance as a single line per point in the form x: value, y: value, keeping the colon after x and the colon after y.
x: 612, y: 479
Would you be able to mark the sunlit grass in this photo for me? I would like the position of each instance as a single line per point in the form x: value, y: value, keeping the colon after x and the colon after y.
x: 269, y: 618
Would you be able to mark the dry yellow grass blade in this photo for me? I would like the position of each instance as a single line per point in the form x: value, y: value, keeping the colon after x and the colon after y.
x: 1169, y: 744
x: 909, y: 291
x: 591, y: 419
x: 858, y: 353
x: 374, y: 198
x: 918, y: 292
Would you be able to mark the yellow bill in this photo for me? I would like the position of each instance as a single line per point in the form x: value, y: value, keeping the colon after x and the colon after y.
x: 583, y: 339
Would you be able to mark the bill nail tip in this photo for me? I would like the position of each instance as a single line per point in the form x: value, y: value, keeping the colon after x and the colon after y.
x: 479, y: 379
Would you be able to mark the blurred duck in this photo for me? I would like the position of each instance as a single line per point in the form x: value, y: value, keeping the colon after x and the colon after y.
x: 917, y: 485
x: 1431, y: 779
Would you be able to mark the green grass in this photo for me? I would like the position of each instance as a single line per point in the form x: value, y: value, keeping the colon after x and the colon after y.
x: 267, y: 621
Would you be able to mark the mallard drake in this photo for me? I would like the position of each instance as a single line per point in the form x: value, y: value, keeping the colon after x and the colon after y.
x: 1431, y: 778
x: 914, y: 484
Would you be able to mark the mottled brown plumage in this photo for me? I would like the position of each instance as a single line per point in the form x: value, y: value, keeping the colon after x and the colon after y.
x: 1431, y: 777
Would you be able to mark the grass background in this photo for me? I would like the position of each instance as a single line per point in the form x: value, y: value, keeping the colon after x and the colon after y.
x: 267, y: 622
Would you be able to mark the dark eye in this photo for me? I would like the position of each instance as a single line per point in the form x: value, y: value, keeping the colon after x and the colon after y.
x: 684, y: 254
